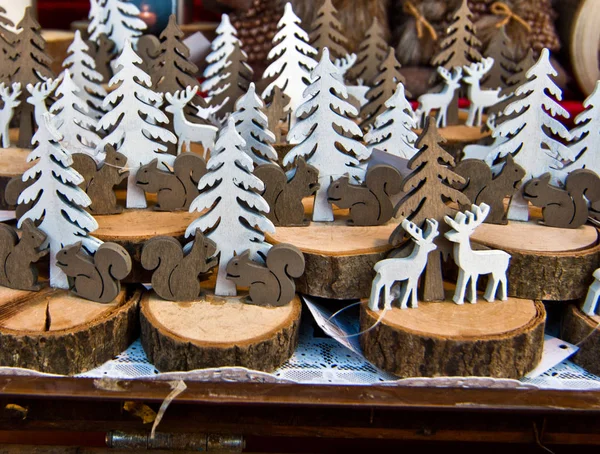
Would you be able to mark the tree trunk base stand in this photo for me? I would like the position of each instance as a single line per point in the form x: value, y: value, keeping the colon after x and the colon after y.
x: 13, y: 163
x: 503, y: 339
x: 218, y: 332
x: 339, y: 258
x: 584, y: 331
x: 547, y: 263
x: 132, y: 228
x: 56, y: 332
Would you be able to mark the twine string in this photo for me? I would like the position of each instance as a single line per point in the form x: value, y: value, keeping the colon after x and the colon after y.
x: 334, y: 325
x: 420, y: 21
x: 502, y: 9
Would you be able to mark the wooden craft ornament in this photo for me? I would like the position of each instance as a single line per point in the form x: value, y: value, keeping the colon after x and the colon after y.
x: 271, y: 285
x: 371, y: 54
x: 406, y: 270
x: 278, y: 112
x: 10, y: 99
x: 176, y: 190
x: 564, y: 208
x: 39, y: 94
x: 148, y: 48
x: 480, y: 99
x: 590, y: 305
x: 501, y: 50
x: 440, y: 101
x: 119, y: 19
x: 285, y: 197
x: 104, y: 51
x: 96, y: 278
x: 18, y: 256
x: 327, y: 31
x: 13, y: 191
x: 369, y: 203
x: 177, y: 271
x: 586, y: 143
x: 471, y: 263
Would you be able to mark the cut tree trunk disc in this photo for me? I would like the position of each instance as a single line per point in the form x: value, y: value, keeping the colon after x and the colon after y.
x: 13, y: 163
x: 56, y: 332
x: 500, y: 339
x: 218, y: 332
x: 547, y: 263
x: 584, y: 331
x: 132, y: 228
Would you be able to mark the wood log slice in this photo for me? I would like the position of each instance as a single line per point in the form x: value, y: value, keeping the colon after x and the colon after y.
x: 56, y: 332
x: 584, y: 331
x: 218, y: 332
x: 502, y: 339
x: 547, y: 263
x: 132, y: 228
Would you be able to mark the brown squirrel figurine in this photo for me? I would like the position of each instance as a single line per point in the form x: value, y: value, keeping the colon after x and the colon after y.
x: 369, y: 204
x: 12, y: 192
x: 96, y: 278
x: 566, y: 208
x: 17, y: 256
x: 101, y: 180
x: 285, y: 197
x: 176, y: 273
x: 272, y: 285
x: 482, y: 187
x: 176, y: 191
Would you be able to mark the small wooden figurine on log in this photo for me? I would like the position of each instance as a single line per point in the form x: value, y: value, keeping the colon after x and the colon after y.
x: 440, y: 101
x: 40, y: 94
x: 371, y: 54
x: 13, y: 191
x: 278, y: 112
x: 480, y: 99
x: 326, y: 31
x: 10, y: 100
x: 119, y: 19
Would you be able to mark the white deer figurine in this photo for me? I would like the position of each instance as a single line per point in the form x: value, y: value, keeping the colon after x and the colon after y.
x: 345, y: 63
x: 471, y: 263
x: 39, y: 94
x: 590, y: 306
x: 186, y: 131
x: 480, y: 99
x: 441, y: 100
x: 408, y: 270
x: 10, y: 97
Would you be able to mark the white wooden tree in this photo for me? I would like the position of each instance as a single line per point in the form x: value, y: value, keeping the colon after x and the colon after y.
x: 531, y: 130
x: 393, y: 132
x: 291, y: 60
x: 234, y: 220
x: 133, y: 123
x: 253, y: 125
x: 83, y: 71
x: 221, y: 48
x: 60, y: 202
x: 97, y: 19
x: 119, y: 19
x: 586, y: 134
x: 73, y: 121
x: 321, y: 134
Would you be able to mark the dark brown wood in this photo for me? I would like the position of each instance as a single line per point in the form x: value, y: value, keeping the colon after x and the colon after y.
x: 582, y: 330
x: 148, y: 48
x: 500, y: 49
x: 370, y: 55
x: 13, y: 190
x: 104, y: 51
x: 327, y: 31
x: 277, y: 113
x: 7, y: 50
x: 513, y: 82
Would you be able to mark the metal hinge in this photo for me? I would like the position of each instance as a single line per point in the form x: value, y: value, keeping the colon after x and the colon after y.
x: 215, y: 443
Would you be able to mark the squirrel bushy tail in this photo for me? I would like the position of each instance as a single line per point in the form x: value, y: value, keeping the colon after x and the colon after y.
x: 8, y: 240
x: 384, y: 181
x: 113, y: 264
x: 163, y: 255
x: 189, y: 166
x: 286, y: 262
x: 580, y: 183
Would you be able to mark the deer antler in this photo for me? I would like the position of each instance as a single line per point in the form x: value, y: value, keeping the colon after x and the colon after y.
x: 431, y: 231
x: 412, y: 229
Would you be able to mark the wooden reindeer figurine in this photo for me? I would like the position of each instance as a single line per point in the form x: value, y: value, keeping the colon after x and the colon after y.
x: 40, y: 93
x: 440, y: 101
x: 17, y: 256
x: 10, y: 99
x: 186, y: 131
x: 406, y: 270
x: 471, y: 263
x: 590, y: 305
x: 271, y: 285
x: 480, y: 99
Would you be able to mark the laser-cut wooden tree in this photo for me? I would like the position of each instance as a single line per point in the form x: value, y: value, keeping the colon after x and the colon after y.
x: 221, y: 47
x: 371, y: 54
x: 586, y: 145
x: 428, y: 188
x: 235, y: 218
x: 393, y: 132
x: 82, y: 67
x: 33, y: 63
x: 278, y: 112
x: 119, y: 19
x: 318, y: 137
x: 133, y: 123
x: 103, y: 54
x: 327, y: 31
x: 499, y: 49
x: 7, y: 50
x: 384, y: 86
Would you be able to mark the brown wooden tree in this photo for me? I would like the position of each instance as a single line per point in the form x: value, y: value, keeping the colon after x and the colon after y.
x: 103, y: 52
x: 277, y: 112
x: 384, y: 86
x: 327, y: 32
x: 500, y: 49
x: 370, y: 55
x: 31, y: 66
x: 428, y: 191
x: 7, y: 49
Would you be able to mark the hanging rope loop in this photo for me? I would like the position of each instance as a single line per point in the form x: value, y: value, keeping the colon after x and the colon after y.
x: 502, y: 9
x: 421, y: 21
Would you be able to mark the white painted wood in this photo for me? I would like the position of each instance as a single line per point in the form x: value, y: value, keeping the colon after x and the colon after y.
x: 119, y: 19
x: 135, y: 137
x: 253, y: 125
x: 186, y: 131
x: 471, y: 263
x: 590, y: 306
x: 534, y: 111
x: 221, y: 49
x: 476, y: 151
x: 393, y: 132
x: 83, y: 71
x: 586, y: 135
x: 96, y: 17
x: 440, y: 101
x: 209, y: 113
x: 344, y: 64
x: 480, y: 99
x: 39, y: 95
x: 291, y: 60
x: 10, y: 100
x: 327, y: 98
x: 61, y: 202
x: 406, y: 270
x: 229, y: 183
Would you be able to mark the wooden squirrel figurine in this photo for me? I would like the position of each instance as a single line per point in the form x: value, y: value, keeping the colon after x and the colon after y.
x: 101, y: 180
x: 13, y: 190
x: 369, y: 204
x: 176, y: 273
x: 482, y: 187
x: 96, y: 278
x: 285, y: 197
x: 566, y: 208
x: 177, y: 190
x: 17, y: 256
x: 271, y: 285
